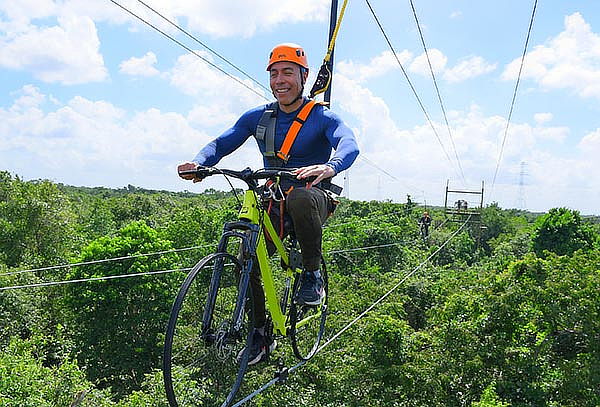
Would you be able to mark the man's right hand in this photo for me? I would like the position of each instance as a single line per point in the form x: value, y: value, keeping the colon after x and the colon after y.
x: 188, y: 166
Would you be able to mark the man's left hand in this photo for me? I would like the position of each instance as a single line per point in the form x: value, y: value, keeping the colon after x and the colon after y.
x: 321, y: 171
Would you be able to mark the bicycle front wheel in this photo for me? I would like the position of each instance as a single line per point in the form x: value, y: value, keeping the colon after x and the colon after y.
x: 307, y: 322
x: 204, y: 360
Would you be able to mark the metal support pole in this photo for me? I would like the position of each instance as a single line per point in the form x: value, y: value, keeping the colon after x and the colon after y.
x: 332, y: 23
x: 481, y: 203
x: 446, y: 197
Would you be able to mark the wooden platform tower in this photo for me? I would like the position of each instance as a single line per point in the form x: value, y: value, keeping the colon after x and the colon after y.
x: 462, y: 208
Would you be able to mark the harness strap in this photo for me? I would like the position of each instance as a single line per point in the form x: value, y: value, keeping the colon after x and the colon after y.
x: 292, y: 133
x: 265, y: 130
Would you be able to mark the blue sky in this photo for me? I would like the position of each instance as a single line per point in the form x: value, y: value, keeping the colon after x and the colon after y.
x: 89, y: 96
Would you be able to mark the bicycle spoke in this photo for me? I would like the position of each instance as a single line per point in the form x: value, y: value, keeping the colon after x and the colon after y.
x: 201, y: 364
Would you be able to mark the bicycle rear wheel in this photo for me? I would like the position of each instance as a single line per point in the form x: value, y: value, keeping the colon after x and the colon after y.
x: 204, y: 362
x: 307, y: 322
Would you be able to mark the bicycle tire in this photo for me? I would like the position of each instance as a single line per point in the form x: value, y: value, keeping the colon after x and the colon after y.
x: 307, y: 323
x: 201, y: 366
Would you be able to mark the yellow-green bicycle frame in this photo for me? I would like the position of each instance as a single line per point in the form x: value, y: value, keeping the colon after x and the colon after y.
x: 253, y: 212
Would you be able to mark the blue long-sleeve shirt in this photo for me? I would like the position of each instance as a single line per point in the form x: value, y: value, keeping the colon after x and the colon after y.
x: 322, y: 132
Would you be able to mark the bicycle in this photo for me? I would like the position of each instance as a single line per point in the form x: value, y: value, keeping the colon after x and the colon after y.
x: 209, y: 332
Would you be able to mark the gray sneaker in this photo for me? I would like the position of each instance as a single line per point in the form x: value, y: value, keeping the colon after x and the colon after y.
x: 311, y: 291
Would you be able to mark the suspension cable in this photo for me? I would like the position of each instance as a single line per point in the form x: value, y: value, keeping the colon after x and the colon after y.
x: 83, y: 280
x: 190, y: 50
x: 437, y: 90
x: 60, y: 266
x: 53, y: 283
x: 514, y: 96
x: 409, y: 83
x: 354, y: 321
x: 85, y: 263
x: 204, y: 45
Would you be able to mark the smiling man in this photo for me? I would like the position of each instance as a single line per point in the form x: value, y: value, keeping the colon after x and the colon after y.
x: 305, y: 147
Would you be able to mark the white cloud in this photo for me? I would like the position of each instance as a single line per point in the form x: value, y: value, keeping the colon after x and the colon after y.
x: 88, y: 142
x: 420, y: 65
x: 29, y: 97
x: 143, y: 66
x: 417, y: 163
x: 541, y: 118
x: 590, y: 144
x: 25, y: 10
x: 220, y: 19
x: 456, y: 14
x: 67, y: 53
x: 571, y: 60
x: 385, y: 63
x: 468, y: 68
x: 195, y: 77
x: 377, y: 66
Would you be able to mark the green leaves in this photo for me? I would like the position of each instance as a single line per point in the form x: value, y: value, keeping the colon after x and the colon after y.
x: 561, y: 231
x: 505, y: 315
x: 119, y: 323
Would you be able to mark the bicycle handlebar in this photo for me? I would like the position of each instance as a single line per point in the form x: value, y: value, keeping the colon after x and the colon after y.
x: 247, y: 175
x: 250, y: 177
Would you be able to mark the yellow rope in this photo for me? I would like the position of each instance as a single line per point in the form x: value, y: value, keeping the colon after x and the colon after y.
x: 335, y: 32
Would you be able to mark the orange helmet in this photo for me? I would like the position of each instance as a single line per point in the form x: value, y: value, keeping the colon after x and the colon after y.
x: 290, y: 53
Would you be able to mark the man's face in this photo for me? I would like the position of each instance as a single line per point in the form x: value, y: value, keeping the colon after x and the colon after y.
x: 285, y: 81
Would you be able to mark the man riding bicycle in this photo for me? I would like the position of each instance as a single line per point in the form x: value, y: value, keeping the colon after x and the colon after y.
x: 293, y: 132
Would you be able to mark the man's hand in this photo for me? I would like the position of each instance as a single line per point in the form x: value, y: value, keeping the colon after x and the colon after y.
x: 188, y: 166
x: 321, y: 171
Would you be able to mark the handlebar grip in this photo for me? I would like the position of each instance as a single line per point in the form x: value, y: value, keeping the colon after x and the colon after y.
x: 199, y: 172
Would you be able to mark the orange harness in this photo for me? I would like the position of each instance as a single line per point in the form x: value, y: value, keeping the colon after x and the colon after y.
x: 265, y: 131
x: 292, y: 133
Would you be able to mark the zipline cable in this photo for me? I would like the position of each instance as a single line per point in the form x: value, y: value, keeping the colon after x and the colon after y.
x: 354, y: 321
x: 190, y: 50
x: 212, y: 51
x: 437, y: 90
x: 514, y: 96
x: 82, y: 280
x: 85, y: 280
x: 409, y: 83
x: 132, y: 256
x: 85, y: 263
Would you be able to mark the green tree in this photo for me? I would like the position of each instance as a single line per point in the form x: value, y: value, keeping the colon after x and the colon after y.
x: 26, y: 381
x: 119, y: 324
x: 561, y: 231
x: 36, y: 224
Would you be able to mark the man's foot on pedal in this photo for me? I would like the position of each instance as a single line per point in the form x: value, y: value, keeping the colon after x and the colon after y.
x: 261, y: 347
x: 311, y: 291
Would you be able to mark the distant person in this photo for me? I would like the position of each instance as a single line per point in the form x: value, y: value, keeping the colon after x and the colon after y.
x: 409, y: 205
x: 424, y: 224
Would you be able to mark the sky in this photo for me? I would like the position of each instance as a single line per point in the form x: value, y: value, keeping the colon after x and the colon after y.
x: 90, y: 96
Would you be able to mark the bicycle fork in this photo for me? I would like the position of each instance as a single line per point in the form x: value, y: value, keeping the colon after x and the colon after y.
x: 248, y: 235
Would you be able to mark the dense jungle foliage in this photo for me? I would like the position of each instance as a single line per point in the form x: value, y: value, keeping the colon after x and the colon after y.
x: 506, y: 314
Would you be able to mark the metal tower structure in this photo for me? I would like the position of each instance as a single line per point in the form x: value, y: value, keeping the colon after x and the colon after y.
x: 521, y: 197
